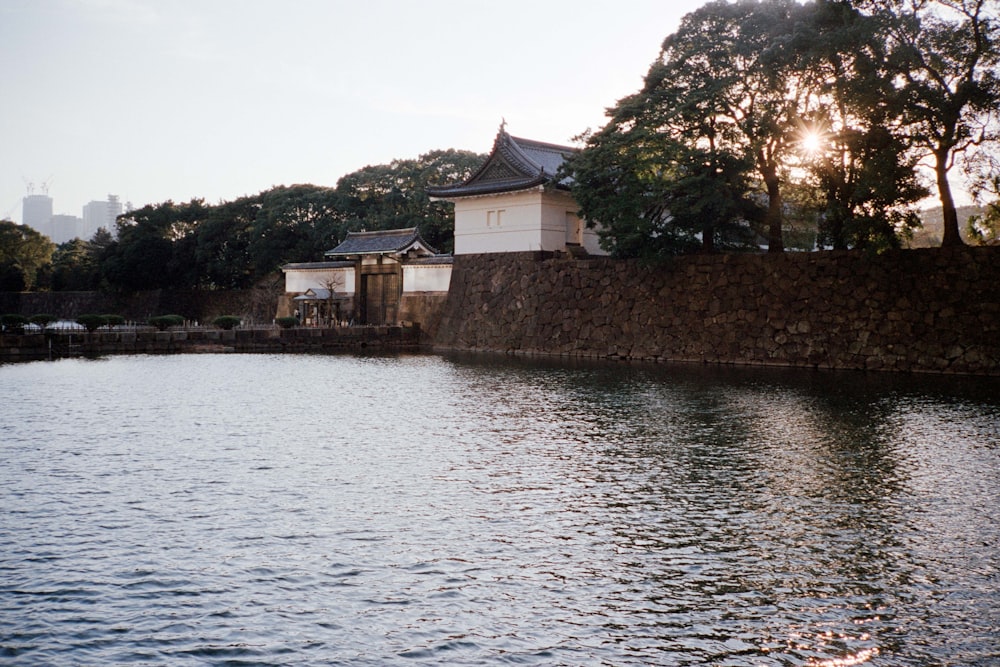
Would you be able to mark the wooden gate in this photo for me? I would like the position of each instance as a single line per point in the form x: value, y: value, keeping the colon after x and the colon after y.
x: 380, y: 294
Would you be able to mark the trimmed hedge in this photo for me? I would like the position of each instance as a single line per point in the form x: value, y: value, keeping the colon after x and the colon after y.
x: 13, y: 323
x: 43, y: 319
x: 164, y: 322
x: 92, y: 322
x: 227, y: 322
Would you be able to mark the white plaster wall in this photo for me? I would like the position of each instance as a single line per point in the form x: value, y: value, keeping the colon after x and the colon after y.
x: 531, y: 220
x: 553, y: 207
x: 592, y: 242
x: 422, y: 278
x: 298, y: 281
x: 518, y: 229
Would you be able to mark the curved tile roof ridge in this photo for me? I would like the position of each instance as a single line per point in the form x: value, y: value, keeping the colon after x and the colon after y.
x: 547, y: 157
x: 515, y: 163
x: 379, y: 241
x: 402, y: 231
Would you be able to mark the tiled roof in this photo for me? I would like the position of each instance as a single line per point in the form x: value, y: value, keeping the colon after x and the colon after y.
x: 380, y: 243
x: 514, y: 164
x: 432, y: 260
x: 303, y: 266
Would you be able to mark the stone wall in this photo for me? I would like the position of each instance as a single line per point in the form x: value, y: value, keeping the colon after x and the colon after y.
x: 423, y: 309
x: 56, y: 344
x: 913, y: 310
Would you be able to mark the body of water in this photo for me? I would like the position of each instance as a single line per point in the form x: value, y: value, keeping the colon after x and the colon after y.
x: 325, y: 510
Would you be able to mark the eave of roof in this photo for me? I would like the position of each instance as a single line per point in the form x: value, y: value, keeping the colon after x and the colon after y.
x: 514, y: 164
x: 432, y: 260
x: 315, y: 266
x: 382, y: 242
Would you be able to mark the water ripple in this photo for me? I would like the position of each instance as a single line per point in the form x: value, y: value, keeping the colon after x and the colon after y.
x: 282, y: 510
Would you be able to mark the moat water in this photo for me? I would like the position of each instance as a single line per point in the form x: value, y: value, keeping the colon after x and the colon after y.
x: 340, y: 510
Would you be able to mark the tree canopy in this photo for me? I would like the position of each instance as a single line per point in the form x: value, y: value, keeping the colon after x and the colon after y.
x: 761, y: 113
x: 24, y: 252
x: 946, y: 55
x: 235, y: 244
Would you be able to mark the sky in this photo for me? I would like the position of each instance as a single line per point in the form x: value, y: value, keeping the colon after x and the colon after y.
x: 156, y: 100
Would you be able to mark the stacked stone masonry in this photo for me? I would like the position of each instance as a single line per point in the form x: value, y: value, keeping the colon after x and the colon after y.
x: 935, y: 310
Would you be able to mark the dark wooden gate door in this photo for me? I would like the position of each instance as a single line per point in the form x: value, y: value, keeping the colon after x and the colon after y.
x: 379, y: 298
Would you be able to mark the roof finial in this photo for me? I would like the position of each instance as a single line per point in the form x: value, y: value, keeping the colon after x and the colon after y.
x: 503, y: 124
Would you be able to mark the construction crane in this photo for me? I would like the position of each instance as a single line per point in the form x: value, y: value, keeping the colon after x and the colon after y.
x: 10, y: 212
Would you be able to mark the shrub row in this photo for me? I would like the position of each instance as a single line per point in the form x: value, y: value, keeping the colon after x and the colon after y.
x: 15, y: 323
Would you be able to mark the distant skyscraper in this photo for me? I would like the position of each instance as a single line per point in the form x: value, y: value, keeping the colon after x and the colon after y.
x: 36, y: 212
x: 66, y: 228
x: 99, y: 214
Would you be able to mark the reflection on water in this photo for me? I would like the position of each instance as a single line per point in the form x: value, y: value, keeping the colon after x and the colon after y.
x: 389, y: 510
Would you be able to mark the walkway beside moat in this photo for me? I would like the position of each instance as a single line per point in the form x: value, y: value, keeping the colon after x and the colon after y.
x: 58, y: 344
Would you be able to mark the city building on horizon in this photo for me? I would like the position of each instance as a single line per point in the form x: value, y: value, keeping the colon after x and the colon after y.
x: 99, y: 214
x: 36, y: 212
x: 65, y: 227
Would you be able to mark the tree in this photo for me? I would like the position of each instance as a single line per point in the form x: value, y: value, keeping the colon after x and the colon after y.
x: 722, y: 93
x: 801, y: 102
x: 222, y: 251
x: 23, y: 254
x: 243, y: 243
x: 727, y: 78
x: 394, y: 195
x: 869, y: 189
x: 946, y: 54
x: 145, y: 255
x: 656, y: 198
x: 75, y: 266
x: 985, y: 228
x: 293, y: 222
x: 849, y: 137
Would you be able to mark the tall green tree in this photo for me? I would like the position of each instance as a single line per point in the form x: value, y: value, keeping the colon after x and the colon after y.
x: 237, y: 244
x: 726, y: 77
x: 294, y: 223
x: 222, y: 251
x: 807, y: 97
x: 394, y: 196
x: 75, y: 266
x: 723, y: 90
x: 947, y: 55
x: 656, y: 198
x: 849, y: 135
x: 144, y: 256
x: 24, y: 253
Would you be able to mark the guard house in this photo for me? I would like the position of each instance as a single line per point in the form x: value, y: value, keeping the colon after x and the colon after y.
x: 376, y: 278
x: 514, y: 202
x: 319, y: 293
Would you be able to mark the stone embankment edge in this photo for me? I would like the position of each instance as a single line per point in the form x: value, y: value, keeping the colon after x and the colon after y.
x: 266, y: 340
x: 928, y: 310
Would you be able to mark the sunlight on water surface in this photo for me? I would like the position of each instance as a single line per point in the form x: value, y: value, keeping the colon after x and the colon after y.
x: 296, y: 510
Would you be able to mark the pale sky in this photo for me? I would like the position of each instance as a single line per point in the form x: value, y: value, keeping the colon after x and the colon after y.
x: 175, y: 99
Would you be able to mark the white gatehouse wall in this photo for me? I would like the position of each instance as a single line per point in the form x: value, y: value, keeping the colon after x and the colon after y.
x: 527, y: 220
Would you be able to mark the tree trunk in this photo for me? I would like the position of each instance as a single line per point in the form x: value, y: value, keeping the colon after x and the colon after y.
x: 949, y: 215
x: 775, y: 242
x: 708, y: 239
